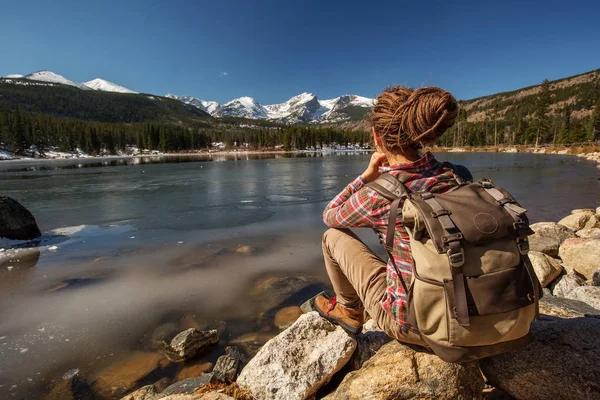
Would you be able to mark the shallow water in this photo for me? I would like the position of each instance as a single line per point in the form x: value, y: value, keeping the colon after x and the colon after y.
x: 155, y: 245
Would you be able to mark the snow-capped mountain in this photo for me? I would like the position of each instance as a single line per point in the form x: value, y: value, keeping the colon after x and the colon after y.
x: 243, y: 107
x: 106, y: 86
x: 48, y: 76
x: 210, y: 107
x: 301, y: 108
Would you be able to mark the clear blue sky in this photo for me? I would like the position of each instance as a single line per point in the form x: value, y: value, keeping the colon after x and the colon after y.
x: 272, y: 50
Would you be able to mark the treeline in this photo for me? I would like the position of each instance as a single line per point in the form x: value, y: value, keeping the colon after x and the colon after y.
x: 531, y: 120
x: 20, y: 132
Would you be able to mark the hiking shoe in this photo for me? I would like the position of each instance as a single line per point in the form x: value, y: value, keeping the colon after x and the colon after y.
x: 351, y: 319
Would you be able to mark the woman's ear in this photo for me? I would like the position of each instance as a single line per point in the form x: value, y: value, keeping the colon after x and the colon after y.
x: 376, y: 139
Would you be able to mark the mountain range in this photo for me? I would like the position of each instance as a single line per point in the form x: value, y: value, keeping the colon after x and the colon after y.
x: 303, y: 108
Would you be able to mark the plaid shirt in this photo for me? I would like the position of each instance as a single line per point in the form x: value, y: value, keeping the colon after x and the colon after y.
x: 358, y: 206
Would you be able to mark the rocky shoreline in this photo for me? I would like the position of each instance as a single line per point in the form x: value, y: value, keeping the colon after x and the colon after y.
x: 313, y: 359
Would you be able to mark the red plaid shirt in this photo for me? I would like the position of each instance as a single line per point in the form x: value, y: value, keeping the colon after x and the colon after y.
x: 358, y: 206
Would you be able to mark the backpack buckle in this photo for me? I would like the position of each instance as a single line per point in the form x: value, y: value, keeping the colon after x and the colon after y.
x: 426, y: 196
x: 486, y: 184
x: 523, y: 246
x: 436, y: 214
x: 456, y: 259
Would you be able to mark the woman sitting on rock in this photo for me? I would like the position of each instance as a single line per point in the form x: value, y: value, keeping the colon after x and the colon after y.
x: 402, y: 121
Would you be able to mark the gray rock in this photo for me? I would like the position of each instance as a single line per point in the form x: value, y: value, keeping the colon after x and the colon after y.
x: 588, y: 294
x: 189, y: 385
x: 543, y: 244
x: 368, y: 343
x: 552, y: 230
x: 147, y: 392
x: 191, y: 341
x: 596, y: 278
x: 581, y: 255
x: 592, y: 233
x: 575, y: 222
x: 297, y: 362
x: 16, y: 222
x: 546, y: 268
x: 226, y: 368
x: 562, y: 362
x: 401, y: 372
x: 561, y: 307
x: 234, y: 352
x: 565, y: 284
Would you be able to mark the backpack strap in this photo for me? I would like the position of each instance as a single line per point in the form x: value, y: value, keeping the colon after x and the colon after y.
x: 393, y: 189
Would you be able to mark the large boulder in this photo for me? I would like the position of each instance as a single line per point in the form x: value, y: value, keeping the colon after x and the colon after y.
x: 552, y: 230
x: 398, y: 371
x: 297, y: 362
x: 563, y: 362
x: 546, y: 268
x: 566, y: 308
x: 368, y: 343
x: 588, y: 294
x: 16, y: 222
x: 581, y: 255
x: 592, y: 223
x: 566, y: 283
x: 576, y: 221
x: 543, y: 244
x: 591, y: 233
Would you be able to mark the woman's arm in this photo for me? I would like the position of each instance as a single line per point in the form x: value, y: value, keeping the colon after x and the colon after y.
x: 352, y: 207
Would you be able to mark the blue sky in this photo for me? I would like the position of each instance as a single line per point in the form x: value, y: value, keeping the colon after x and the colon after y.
x: 272, y: 50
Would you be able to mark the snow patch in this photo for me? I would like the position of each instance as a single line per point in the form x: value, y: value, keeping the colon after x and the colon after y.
x: 106, y: 86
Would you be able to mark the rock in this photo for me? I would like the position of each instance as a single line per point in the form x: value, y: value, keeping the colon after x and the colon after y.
x: 575, y: 222
x: 583, y: 211
x: 193, y: 371
x: 596, y: 278
x: 71, y: 388
x: 287, y: 316
x: 189, y: 385
x: 592, y: 223
x: 16, y: 222
x: 565, y: 284
x: 546, y: 268
x: 546, y: 245
x: 562, y: 362
x: 245, y: 250
x: 234, y: 352
x: 588, y: 294
x: 252, y: 342
x: 201, y: 396
x: 147, y: 392
x: 566, y: 308
x: 120, y: 378
x: 226, y: 368
x: 164, y: 333
x: 592, y: 233
x: 297, y: 362
x: 598, y: 211
x: 551, y: 230
x: 191, y: 341
x: 581, y: 255
x: 278, y: 292
x: 368, y: 343
x: 401, y: 372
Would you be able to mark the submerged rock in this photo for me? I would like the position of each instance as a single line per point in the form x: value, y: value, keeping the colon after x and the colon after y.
x: 287, y: 316
x: 546, y: 268
x: 401, y: 372
x: 191, y: 341
x: 581, y: 255
x: 72, y: 386
x: 297, y: 362
x: 563, y: 362
x: 192, y: 371
x: 120, y: 378
x: 588, y: 294
x: 16, y: 222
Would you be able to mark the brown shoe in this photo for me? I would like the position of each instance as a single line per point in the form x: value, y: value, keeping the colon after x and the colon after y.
x: 351, y: 319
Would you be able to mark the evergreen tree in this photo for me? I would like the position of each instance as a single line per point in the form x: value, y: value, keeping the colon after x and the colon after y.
x: 596, y: 122
x: 541, y: 127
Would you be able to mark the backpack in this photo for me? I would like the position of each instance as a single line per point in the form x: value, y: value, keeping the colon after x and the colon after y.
x: 474, y: 292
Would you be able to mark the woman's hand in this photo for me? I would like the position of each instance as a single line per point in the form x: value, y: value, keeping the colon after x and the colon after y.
x: 372, y: 171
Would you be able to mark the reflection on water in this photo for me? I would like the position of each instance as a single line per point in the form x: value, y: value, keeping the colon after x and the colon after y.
x: 154, y: 244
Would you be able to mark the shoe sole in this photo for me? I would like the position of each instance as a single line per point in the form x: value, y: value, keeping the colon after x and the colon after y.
x: 349, y: 329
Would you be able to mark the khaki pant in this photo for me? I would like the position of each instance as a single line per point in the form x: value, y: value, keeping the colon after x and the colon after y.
x: 359, y: 276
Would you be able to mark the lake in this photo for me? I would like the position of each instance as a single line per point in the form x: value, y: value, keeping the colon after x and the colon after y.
x: 136, y: 245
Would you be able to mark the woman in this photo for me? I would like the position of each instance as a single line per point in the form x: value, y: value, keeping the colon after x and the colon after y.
x: 402, y: 121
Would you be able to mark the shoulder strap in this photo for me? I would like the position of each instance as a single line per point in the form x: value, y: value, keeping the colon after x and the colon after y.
x: 389, y: 186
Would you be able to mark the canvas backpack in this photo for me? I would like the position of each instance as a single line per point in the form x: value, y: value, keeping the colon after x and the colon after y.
x: 474, y: 292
